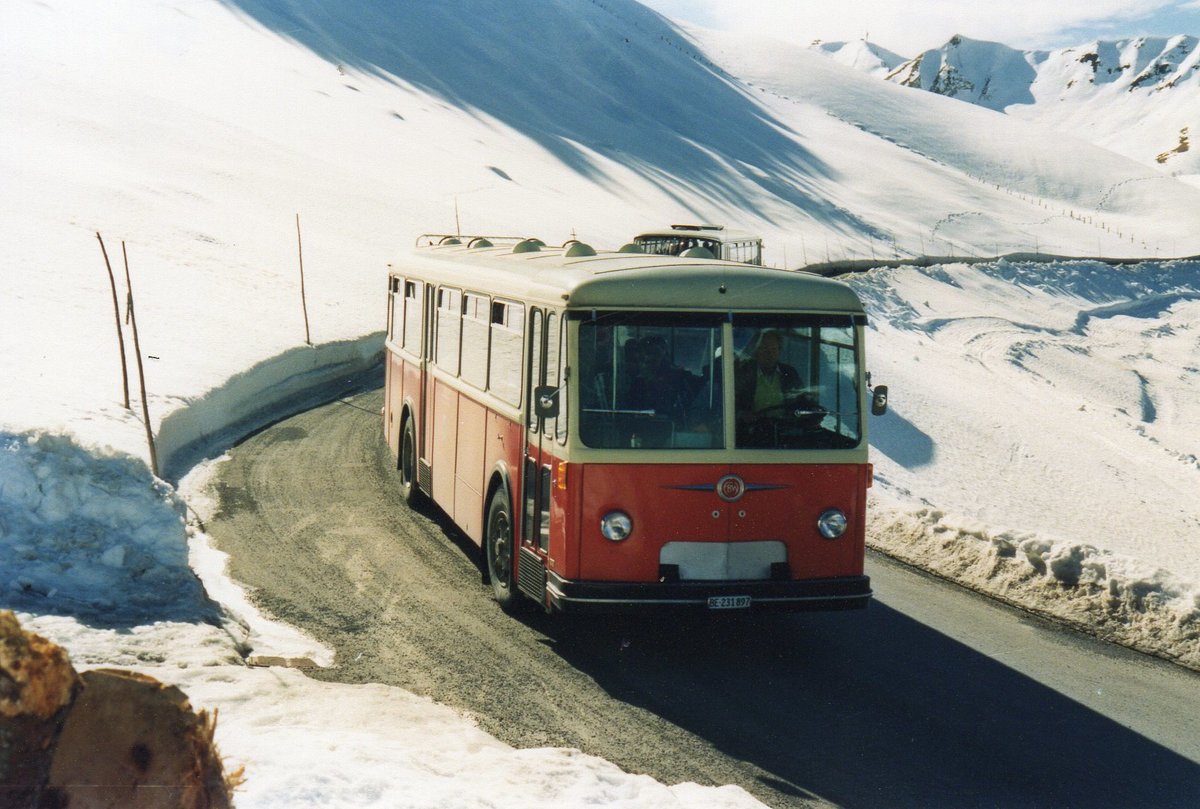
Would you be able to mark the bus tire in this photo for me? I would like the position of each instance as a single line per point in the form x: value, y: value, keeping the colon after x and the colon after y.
x: 499, y: 549
x: 409, y: 489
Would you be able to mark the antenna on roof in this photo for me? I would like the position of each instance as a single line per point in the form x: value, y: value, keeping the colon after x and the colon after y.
x: 457, y: 226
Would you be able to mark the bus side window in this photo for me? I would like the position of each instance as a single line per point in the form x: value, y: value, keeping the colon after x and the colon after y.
x: 504, y: 363
x: 561, y: 426
x: 411, y: 338
x: 535, y: 363
x: 554, y: 365
x: 396, y: 313
x: 449, y: 322
x: 476, y: 315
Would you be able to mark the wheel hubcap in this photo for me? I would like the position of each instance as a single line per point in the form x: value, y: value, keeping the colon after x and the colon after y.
x: 501, y: 548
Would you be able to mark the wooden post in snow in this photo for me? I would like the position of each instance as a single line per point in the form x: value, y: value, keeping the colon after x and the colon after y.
x: 137, y: 350
x: 117, y: 312
x: 303, y: 299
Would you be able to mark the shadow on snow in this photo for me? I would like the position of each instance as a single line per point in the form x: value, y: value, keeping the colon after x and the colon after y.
x: 613, y: 77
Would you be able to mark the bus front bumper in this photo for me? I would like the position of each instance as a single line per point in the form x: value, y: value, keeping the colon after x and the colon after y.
x: 845, y: 593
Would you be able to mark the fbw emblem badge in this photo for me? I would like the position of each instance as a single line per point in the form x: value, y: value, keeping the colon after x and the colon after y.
x: 731, y: 488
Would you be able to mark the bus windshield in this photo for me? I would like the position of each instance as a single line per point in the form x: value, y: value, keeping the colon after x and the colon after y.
x: 654, y: 381
x: 651, y: 380
x: 795, y: 382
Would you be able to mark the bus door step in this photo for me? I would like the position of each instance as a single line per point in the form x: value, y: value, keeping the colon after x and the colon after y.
x: 531, y: 575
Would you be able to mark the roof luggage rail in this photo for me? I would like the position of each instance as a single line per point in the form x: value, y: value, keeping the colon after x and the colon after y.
x: 442, y: 239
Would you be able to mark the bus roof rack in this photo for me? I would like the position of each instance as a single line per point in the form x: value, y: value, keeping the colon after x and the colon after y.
x: 445, y: 239
x: 528, y: 246
x: 574, y: 248
x: 698, y: 227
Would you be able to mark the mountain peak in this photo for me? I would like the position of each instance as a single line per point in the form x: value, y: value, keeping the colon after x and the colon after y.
x: 861, y: 54
x: 989, y: 74
x: 1122, y: 94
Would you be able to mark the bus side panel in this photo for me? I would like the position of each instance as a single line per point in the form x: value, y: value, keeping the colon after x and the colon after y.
x: 393, y: 385
x: 503, y: 446
x: 564, y: 534
x: 411, y: 389
x: 444, y: 439
x: 469, y: 468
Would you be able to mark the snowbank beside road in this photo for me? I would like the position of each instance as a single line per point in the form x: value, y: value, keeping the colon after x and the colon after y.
x: 1041, y: 444
x: 95, y: 556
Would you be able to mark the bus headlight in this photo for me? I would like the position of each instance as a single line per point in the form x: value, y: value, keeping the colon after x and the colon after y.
x: 832, y: 524
x: 616, y: 526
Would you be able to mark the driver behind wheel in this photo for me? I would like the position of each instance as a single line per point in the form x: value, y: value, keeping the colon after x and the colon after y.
x: 763, y: 383
x: 769, y: 396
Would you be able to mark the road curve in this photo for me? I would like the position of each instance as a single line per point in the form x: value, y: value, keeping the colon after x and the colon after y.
x: 932, y: 697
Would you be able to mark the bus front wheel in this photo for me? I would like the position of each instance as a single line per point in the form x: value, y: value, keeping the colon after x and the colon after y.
x: 498, y: 547
x: 408, y: 465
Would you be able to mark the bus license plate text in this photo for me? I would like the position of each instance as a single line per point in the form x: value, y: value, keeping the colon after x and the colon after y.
x: 728, y: 602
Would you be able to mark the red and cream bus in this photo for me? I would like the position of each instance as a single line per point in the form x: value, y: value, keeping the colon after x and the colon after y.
x: 623, y: 430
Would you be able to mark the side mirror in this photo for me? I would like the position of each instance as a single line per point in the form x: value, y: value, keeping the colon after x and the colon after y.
x: 879, y: 400
x: 545, y: 401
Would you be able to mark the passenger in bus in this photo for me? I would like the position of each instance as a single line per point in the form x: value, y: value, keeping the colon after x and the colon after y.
x: 596, y: 361
x: 656, y: 383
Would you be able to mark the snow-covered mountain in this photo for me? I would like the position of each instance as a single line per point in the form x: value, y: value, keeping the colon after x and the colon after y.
x: 985, y: 73
x: 1137, y: 97
x: 863, y: 55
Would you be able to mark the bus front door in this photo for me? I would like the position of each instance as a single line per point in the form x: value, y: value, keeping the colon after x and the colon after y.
x: 536, y: 469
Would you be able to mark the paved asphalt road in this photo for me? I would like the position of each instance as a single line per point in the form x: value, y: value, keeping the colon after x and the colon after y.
x: 932, y: 697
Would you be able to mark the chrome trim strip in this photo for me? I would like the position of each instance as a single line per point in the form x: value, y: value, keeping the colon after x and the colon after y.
x: 712, y: 487
x: 558, y: 594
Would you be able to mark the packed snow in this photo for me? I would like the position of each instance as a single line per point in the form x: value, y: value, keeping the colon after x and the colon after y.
x: 1038, y: 445
x: 1041, y: 443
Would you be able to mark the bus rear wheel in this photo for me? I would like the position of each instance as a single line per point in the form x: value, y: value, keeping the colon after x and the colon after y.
x: 498, y: 547
x: 409, y: 489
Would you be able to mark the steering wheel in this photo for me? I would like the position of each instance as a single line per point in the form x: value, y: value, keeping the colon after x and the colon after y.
x: 798, y: 411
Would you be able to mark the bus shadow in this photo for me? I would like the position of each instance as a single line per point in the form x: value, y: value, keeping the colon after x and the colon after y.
x: 874, y: 709
x: 901, y: 440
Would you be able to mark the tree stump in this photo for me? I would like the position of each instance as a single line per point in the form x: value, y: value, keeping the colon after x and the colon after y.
x: 105, y: 739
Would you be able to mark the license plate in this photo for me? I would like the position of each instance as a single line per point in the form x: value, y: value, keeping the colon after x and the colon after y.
x: 728, y: 602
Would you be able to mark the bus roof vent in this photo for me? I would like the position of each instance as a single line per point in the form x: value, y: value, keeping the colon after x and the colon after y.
x: 528, y: 246
x: 576, y: 248
x: 705, y: 226
x: 478, y: 241
x: 631, y: 248
x: 697, y: 252
x: 448, y: 240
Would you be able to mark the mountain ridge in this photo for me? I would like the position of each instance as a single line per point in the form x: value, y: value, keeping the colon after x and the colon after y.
x: 1138, y: 96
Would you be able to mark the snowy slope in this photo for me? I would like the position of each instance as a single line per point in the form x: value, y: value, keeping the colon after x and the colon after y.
x: 1041, y: 443
x: 1137, y: 97
x: 196, y: 131
x: 946, y: 178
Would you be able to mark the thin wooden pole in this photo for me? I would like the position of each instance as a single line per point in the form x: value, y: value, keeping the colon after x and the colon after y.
x: 303, y: 298
x: 117, y: 312
x: 137, y: 350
